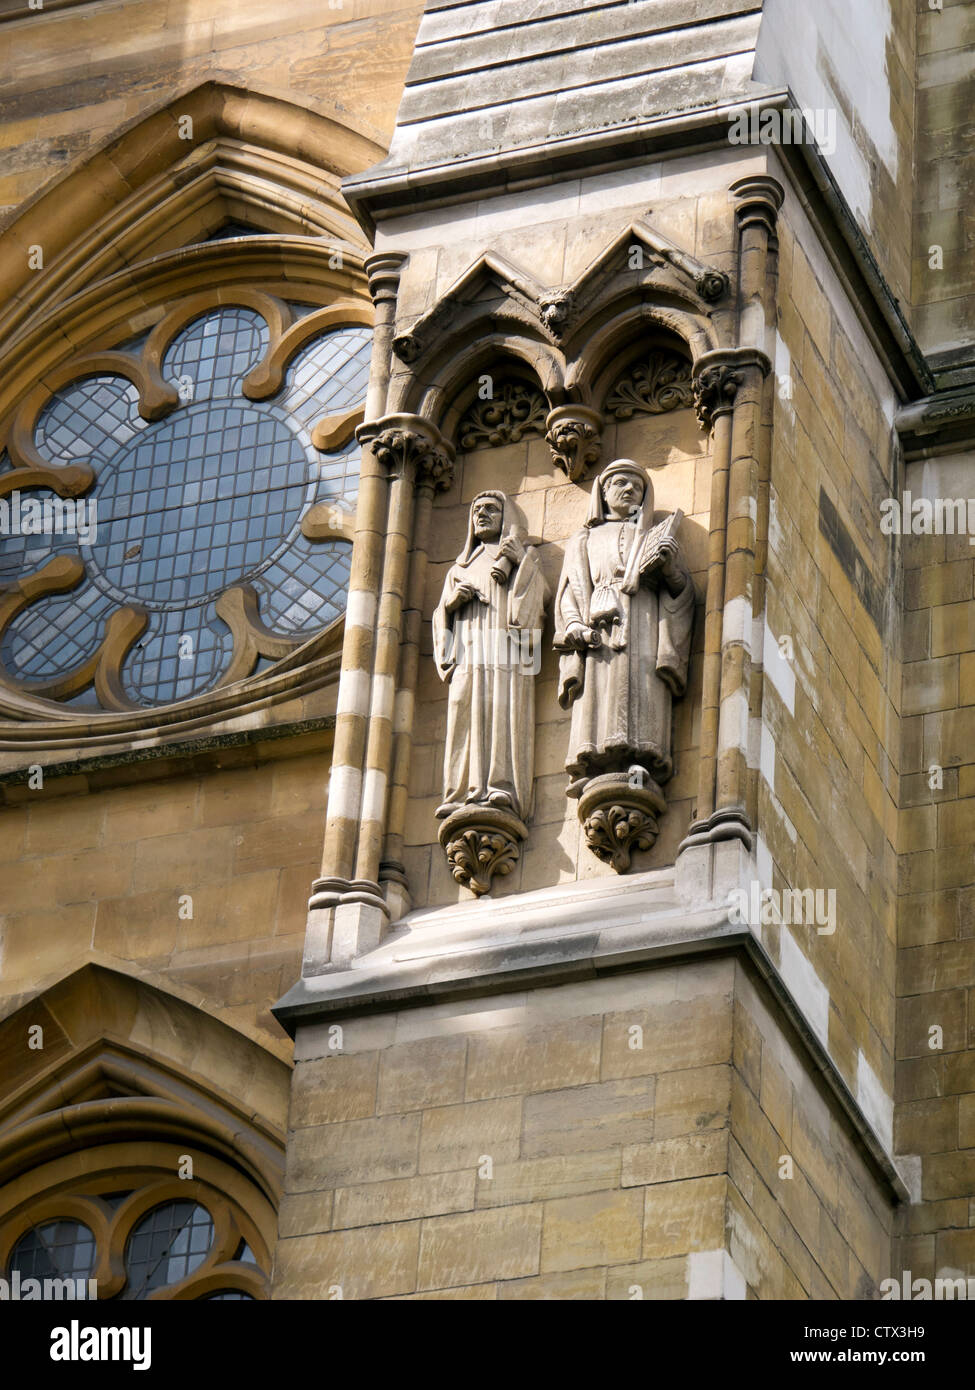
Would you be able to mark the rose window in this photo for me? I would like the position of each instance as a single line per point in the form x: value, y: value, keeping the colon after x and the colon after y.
x: 212, y: 479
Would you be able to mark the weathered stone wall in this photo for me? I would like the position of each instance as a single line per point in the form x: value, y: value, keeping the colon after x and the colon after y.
x: 935, y: 1117
x: 74, y: 77
x: 945, y: 294
x: 93, y: 870
x: 854, y: 66
x: 828, y: 752
x: 612, y: 1139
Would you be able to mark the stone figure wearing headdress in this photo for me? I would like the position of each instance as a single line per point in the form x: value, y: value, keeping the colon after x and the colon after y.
x: 486, y: 645
x: 624, y: 612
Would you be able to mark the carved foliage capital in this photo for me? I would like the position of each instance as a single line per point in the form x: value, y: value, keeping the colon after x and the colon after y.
x: 719, y: 375
x: 408, y: 444
x: 715, y: 388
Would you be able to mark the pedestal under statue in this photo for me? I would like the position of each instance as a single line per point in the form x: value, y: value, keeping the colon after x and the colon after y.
x: 624, y: 613
x: 487, y: 645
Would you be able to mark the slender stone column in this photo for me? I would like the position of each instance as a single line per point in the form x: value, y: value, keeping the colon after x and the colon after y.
x: 733, y: 399
x: 736, y: 629
x: 360, y: 618
x: 759, y: 199
x: 354, y: 696
x: 417, y: 457
x: 392, y: 871
x: 715, y: 387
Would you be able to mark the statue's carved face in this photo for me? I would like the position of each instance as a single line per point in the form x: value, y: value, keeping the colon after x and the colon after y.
x: 623, y: 492
x: 487, y: 515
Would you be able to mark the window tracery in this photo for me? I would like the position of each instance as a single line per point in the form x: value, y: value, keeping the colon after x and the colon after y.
x: 196, y: 554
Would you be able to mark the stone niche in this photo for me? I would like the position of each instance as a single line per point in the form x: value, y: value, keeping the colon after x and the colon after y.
x: 675, y: 450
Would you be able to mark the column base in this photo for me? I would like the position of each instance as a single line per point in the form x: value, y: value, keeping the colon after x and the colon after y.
x: 713, y: 859
x: 346, y: 918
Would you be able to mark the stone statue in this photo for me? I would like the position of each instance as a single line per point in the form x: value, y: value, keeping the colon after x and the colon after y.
x: 487, y: 646
x: 624, y: 612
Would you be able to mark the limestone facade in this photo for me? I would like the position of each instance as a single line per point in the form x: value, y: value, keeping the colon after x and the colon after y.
x: 737, y: 1069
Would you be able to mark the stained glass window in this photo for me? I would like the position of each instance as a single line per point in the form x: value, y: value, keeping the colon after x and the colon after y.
x: 210, y: 496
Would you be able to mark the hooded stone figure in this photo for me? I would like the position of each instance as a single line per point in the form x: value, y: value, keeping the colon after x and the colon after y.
x: 486, y: 644
x: 624, y: 611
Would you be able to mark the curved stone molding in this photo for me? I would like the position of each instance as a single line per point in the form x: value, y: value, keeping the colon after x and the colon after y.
x: 760, y: 198
x: 619, y: 815
x: 103, y: 666
x: 481, y: 841
x: 335, y: 431
x: 660, y: 383
x: 730, y: 823
x: 267, y: 378
x: 517, y: 295
x: 574, y: 434
x: 239, y: 608
x: 514, y: 411
x: 409, y: 444
x: 254, y: 156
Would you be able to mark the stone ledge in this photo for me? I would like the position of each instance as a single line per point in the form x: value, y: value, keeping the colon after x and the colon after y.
x: 604, y: 928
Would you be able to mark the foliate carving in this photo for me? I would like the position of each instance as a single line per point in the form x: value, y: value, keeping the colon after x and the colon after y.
x: 660, y: 384
x: 613, y: 832
x: 574, y: 436
x: 480, y: 844
x: 714, y: 392
x: 408, y: 442
x: 507, y: 417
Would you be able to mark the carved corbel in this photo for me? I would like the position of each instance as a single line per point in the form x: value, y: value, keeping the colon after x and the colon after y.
x: 481, y: 841
x: 574, y: 434
x: 621, y: 813
x: 409, y: 444
x: 557, y: 309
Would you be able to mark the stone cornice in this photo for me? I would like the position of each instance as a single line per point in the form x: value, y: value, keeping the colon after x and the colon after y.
x: 938, y: 424
x: 389, y: 191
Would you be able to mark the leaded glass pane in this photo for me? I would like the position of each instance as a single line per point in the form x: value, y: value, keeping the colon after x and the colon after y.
x: 55, y: 1250
x: 167, y: 1245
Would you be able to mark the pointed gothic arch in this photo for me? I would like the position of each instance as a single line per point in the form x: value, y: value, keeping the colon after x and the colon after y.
x: 98, y: 1122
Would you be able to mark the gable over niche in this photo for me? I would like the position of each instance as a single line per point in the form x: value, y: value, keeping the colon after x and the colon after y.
x: 642, y: 296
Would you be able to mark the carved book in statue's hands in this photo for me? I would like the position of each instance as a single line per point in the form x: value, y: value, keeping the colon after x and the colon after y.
x: 653, y: 553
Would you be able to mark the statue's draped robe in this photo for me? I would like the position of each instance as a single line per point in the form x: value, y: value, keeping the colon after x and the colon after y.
x: 621, y: 715
x: 491, y: 702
